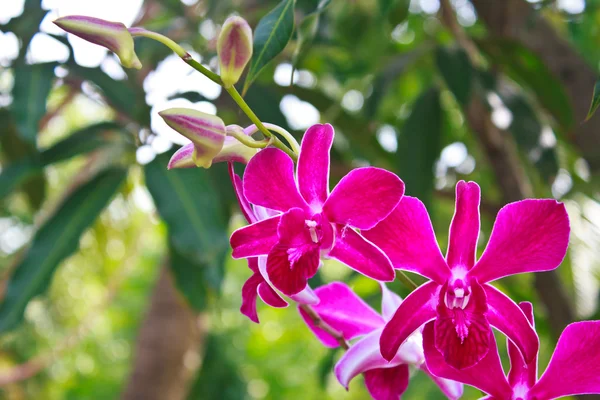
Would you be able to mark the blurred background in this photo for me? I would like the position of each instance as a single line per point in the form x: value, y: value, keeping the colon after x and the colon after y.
x: 116, y: 277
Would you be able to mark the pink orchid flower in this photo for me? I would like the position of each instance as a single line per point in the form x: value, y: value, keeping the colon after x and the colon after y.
x: 258, y: 284
x: 314, y: 222
x: 574, y: 368
x: 348, y: 314
x: 528, y: 235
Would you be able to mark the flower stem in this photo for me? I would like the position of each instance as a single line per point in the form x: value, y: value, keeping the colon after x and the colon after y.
x: 235, y: 95
x: 248, y: 141
x: 319, y: 323
x: 180, y: 51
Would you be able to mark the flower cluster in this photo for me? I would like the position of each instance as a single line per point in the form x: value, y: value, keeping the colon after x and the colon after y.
x: 444, y: 327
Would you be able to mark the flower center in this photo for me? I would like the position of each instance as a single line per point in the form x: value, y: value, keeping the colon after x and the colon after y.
x: 312, y: 229
x: 457, y: 295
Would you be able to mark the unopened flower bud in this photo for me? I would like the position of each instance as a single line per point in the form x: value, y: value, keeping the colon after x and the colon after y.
x: 112, y: 35
x: 207, y: 132
x: 234, y: 48
x: 182, y: 158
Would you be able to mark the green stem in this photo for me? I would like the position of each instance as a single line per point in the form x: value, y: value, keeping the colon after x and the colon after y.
x: 288, y: 136
x: 180, y: 51
x: 235, y: 95
x: 248, y: 141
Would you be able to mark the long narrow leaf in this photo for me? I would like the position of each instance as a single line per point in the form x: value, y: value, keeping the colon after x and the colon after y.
x: 56, y: 240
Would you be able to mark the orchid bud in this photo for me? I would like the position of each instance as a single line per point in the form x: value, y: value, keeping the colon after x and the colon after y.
x: 112, y: 35
x: 232, y: 151
x: 234, y: 47
x: 207, y: 132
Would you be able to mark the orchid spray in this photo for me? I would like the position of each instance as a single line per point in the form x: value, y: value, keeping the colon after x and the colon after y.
x: 296, y: 219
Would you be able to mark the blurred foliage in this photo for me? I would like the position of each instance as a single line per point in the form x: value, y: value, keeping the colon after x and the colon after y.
x: 88, y: 210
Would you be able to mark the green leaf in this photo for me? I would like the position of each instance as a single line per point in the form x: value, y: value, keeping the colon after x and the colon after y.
x: 189, y: 203
x: 270, y: 38
x: 419, y: 145
x: 395, y: 10
x: 457, y: 72
x: 79, y: 142
x: 32, y: 86
x: 219, y: 377
x: 595, y: 100
x: 56, y: 240
x: 325, y: 368
x: 528, y: 70
x: 306, y: 32
x: 26, y: 25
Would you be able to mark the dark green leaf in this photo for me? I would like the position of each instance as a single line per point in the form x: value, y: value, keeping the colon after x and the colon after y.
x: 82, y: 141
x: 457, y: 72
x: 32, y: 86
x: 189, y: 279
x: 326, y: 367
x: 56, y: 240
x: 26, y: 25
x: 194, y: 97
x: 270, y: 38
x: 529, y: 71
x: 595, y: 100
x: 218, y: 378
x: 189, y: 203
x: 419, y: 145
x: 307, y: 31
x: 395, y: 10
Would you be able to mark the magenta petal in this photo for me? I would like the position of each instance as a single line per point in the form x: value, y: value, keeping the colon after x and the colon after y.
x: 506, y: 316
x: 462, y: 335
x: 575, y: 365
x: 453, y: 390
x: 239, y: 193
x: 407, y: 237
x: 364, y: 197
x: 390, y: 302
x: 528, y: 235
x: 269, y: 181
x: 256, y: 239
x: 361, y: 255
x: 360, y: 357
x: 306, y: 296
x: 520, y: 372
x: 416, y: 309
x: 288, y: 278
x: 313, y: 165
x: 464, y: 229
x: 270, y: 296
x: 344, y: 311
x: 387, y: 383
x: 487, y: 375
x: 249, y: 292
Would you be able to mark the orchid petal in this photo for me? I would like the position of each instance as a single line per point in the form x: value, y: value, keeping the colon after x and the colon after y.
x: 234, y: 151
x: 462, y: 335
x: 313, y: 165
x: 183, y: 158
x: 306, y: 296
x: 361, y: 255
x: 528, y: 235
x: 364, y: 197
x: 453, y: 390
x: 256, y: 239
x: 238, y: 188
x: 407, y: 237
x: 390, y: 302
x: 270, y: 297
x: 344, y: 311
x: 520, y: 372
x: 269, y: 181
x: 464, y: 229
x: 575, y: 365
x: 362, y: 356
x: 417, y: 309
x: 287, y: 278
x: 506, y: 316
x: 387, y: 383
x: 487, y: 375
x: 249, y: 293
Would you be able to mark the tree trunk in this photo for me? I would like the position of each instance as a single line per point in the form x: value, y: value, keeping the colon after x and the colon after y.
x: 167, y: 346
